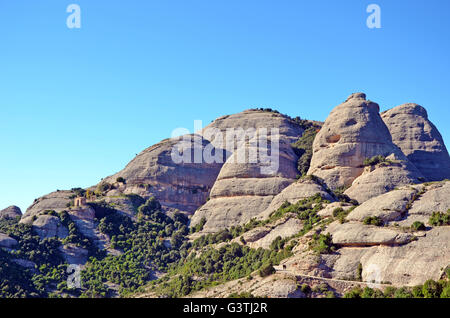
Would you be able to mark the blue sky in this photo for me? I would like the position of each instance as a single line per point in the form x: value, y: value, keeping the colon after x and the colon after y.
x: 76, y: 105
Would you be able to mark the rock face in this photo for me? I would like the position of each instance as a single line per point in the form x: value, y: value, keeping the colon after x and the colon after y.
x: 10, y: 213
x: 295, y: 192
x: 283, y: 229
x: 257, y: 170
x: 274, y: 286
x: 388, y: 207
x: 6, y: 241
x: 435, y: 199
x: 47, y: 226
x: 382, y: 178
x: 390, y: 253
x: 73, y: 254
x: 241, y: 191
x: 419, y: 140
x: 183, y: 186
x: 227, y: 191
x: 404, y: 265
x: 56, y: 201
x: 358, y: 234
x: 249, y: 119
x: 353, y: 132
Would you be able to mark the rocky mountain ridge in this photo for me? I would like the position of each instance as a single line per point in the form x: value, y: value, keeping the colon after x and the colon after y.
x: 378, y: 176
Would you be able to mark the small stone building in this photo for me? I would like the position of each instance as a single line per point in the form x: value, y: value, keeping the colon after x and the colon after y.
x: 80, y: 201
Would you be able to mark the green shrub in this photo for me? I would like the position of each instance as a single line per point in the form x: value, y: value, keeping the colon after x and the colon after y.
x: 267, y: 270
x: 446, y: 291
x: 303, y: 149
x: 431, y: 289
x: 104, y: 187
x: 341, y: 214
x: 305, y: 288
x: 373, y: 220
x: 322, y: 244
x: 418, y: 226
x: 199, y: 226
x: 402, y: 292
x: 241, y: 295
x: 417, y: 291
x: 440, y: 219
x: 120, y: 180
x: 277, y: 244
x: 354, y: 293
x: 375, y: 160
x: 389, y: 292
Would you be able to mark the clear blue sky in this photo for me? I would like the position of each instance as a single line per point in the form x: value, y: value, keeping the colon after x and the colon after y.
x: 77, y: 105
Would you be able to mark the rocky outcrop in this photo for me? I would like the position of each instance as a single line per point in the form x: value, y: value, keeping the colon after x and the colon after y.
x: 328, y: 210
x: 406, y: 205
x: 390, y: 206
x: 358, y: 234
x: 84, y: 219
x: 56, y: 201
x: 11, y: 212
x: 353, y: 132
x: 278, y: 285
x: 419, y: 140
x: 25, y: 263
x: 244, y: 190
x: 260, y: 164
x: 393, y: 253
x: 220, y: 131
x: 7, y: 242
x: 284, y: 229
x: 435, y: 199
x: 177, y: 185
x: 405, y: 265
x: 222, y: 213
x: 73, y: 254
x: 299, y: 190
x: 47, y: 226
x: 382, y: 178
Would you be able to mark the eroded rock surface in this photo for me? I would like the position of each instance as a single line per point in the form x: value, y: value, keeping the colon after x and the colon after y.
x: 419, y: 140
x: 7, y: 242
x: 388, y: 207
x: 353, y: 132
x: 176, y: 185
x: 358, y: 234
x: 47, y: 226
x: 11, y: 212
x: 56, y: 201
x: 295, y: 192
x: 259, y: 168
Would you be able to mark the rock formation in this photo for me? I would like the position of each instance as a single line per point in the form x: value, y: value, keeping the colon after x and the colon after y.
x: 6, y: 241
x: 56, y: 201
x: 301, y: 189
x: 419, y: 140
x: 183, y: 186
x: 353, y: 133
x: 225, y: 175
x: 392, y: 253
x: 253, y: 173
x: 49, y: 226
x: 242, y: 190
x: 10, y: 213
